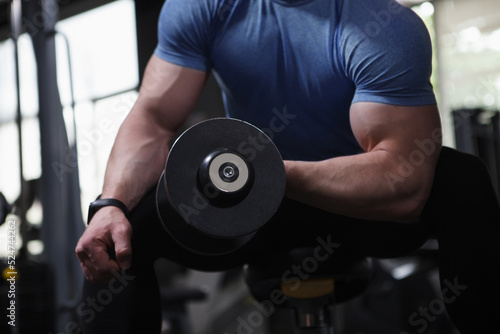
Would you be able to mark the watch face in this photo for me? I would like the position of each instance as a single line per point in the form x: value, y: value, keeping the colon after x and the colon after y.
x: 92, y: 211
x: 93, y: 208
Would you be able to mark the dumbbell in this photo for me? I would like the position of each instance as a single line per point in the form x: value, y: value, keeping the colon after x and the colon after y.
x: 225, y: 179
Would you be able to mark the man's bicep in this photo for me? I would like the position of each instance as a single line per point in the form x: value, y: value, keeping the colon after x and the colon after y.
x: 405, y: 141
x: 393, y: 128
x: 169, y: 92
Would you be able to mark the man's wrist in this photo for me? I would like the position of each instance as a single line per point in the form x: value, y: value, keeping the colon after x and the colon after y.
x: 100, y: 203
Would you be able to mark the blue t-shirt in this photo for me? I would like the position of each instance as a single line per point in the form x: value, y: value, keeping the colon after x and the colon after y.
x: 294, y: 67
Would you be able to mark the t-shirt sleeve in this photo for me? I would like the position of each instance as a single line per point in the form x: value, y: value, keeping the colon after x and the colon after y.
x: 386, y: 52
x: 183, y: 33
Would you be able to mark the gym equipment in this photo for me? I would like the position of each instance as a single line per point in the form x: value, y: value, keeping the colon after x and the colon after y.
x: 225, y: 179
x: 174, y: 307
x: 310, y: 296
x: 477, y: 132
x: 5, y: 208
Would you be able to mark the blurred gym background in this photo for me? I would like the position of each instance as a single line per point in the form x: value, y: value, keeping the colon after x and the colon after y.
x: 69, y: 74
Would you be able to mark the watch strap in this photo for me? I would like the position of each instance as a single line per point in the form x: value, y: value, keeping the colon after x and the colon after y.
x: 100, y: 203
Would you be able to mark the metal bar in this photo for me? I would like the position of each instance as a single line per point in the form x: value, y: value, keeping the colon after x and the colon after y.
x: 496, y: 143
x: 60, y: 193
x: 16, y: 26
x: 463, y: 130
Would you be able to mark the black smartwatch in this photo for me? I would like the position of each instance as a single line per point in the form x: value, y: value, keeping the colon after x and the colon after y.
x: 101, y: 203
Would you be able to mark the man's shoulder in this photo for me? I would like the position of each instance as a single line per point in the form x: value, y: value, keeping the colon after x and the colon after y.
x: 210, y: 5
x: 378, y: 16
x: 385, y: 49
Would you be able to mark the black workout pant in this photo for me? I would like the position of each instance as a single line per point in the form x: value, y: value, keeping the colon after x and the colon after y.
x: 462, y: 212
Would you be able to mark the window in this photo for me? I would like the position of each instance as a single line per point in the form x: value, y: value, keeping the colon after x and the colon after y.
x: 103, y: 53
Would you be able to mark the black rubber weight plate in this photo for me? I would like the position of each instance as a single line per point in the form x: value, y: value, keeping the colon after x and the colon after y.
x: 182, y: 186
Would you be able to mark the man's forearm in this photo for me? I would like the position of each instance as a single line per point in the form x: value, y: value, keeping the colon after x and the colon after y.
x: 137, y: 158
x: 367, y: 186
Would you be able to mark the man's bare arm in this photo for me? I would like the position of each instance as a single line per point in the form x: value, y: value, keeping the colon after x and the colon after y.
x: 391, y: 180
x: 167, y: 96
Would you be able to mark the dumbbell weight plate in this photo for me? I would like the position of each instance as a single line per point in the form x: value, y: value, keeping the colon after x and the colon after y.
x: 225, y: 179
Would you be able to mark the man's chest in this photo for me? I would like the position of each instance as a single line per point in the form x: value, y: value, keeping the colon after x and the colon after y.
x: 276, y: 46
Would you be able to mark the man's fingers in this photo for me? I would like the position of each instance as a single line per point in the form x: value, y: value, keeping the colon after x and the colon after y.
x: 123, y: 249
x: 95, y: 262
x: 85, y: 263
x: 105, y: 248
x: 100, y: 259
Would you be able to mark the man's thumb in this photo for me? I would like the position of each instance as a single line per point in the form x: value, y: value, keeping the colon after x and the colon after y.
x: 123, y: 251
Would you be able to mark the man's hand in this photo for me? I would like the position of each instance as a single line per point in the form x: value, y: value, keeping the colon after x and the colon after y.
x: 108, y: 231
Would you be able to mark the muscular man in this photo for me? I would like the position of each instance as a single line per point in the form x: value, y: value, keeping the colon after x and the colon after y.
x: 359, y: 134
